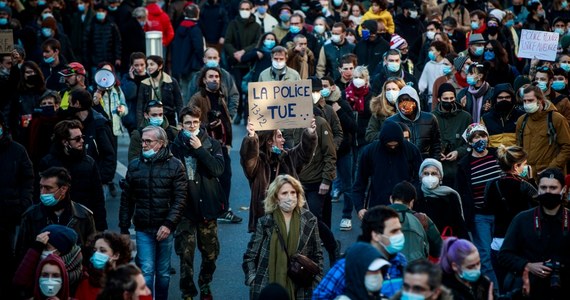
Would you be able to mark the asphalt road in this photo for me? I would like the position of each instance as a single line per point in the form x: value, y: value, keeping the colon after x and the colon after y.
x: 228, y: 280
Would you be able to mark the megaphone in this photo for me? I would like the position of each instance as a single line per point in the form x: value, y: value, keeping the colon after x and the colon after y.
x: 104, y: 79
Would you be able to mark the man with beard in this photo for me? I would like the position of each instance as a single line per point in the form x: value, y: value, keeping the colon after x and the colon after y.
x: 98, y: 141
x: 74, y: 75
x: 68, y: 151
x: 537, y: 241
x: 388, y: 161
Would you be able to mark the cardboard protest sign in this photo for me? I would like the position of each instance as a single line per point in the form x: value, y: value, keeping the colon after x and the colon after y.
x: 280, y: 104
x: 6, y: 41
x: 542, y: 45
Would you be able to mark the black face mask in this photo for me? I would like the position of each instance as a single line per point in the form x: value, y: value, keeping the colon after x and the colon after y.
x: 74, y: 110
x: 392, y: 150
x: 549, y: 201
x: 33, y: 79
x: 504, y: 107
x: 492, y: 30
x: 448, y: 106
x: 517, y: 9
x: 404, y: 57
x: 47, y: 110
x: 155, y: 73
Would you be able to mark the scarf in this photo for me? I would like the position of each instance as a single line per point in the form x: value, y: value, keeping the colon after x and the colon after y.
x: 355, y: 96
x: 442, y: 191
x: 478, y: 100
x: 462, y: 82
x: 278, y: 259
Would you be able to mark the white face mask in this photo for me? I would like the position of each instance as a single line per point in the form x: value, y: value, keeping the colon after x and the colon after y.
x: 413, y: 14
x: 373, y: 282
x: 430, y: 35
x: 45, y: 253
x: 287, y: 205
x: 531, y: 107
x: 430, y: 182
x: 50, y: 286
x: 358, y: 82
x: 279, y: 65
x: 335, y: 38
x: 316, y: 97
x: 392, y: 96
x: 244, y: 14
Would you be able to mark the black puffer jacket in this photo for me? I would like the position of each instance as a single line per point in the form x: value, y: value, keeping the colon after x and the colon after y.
x: 424, y: 129
x: 86, y: 186
x: 203, y: 167
x: 102, y: 42
x: 154, y: 194
x: 99, y: 145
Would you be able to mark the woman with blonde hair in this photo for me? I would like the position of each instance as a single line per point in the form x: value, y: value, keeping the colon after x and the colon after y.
x: 383, y: 106
x: 286, y: 229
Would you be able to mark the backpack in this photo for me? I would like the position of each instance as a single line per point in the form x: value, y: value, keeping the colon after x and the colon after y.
x: 417, y: 246
x: 551, y: 131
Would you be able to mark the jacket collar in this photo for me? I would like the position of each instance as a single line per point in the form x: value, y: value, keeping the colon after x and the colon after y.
x: 165, y: 79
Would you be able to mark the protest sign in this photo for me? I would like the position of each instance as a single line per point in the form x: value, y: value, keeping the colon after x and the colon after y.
x: 280, y: 104
x: 6, y: 41
x: 542, y: 45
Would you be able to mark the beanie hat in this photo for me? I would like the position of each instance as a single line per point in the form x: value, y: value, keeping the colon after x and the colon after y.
x: 497, y: 13
x: 396, y: 41
x: 459, y: 62
x: 446, y: 87
x: 471, y: 129
x: 316, y: 83
x: 61, y: 237
x: 431, y: 162
x: 371, y: 25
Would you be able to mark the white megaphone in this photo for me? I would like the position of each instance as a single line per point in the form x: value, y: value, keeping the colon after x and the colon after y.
x: 104, y: 79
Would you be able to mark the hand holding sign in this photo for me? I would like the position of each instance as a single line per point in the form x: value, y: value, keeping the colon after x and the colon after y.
x: 538, y: 44
x: 313, y: 127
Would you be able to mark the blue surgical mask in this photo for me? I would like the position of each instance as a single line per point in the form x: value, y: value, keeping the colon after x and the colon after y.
x: 269, y: 44
x: 156, y: 121
x: 149, y: 153
x: 470, y: 275
x: 46, y: 32
x: 3, y: 21
x: 564, y: 4
x: 325, y: 92
x: 446, y: 69
x: 337, y: 2
x: 261, y: 10
x: 99, y: 260
x: 410, y: 295
x: 474, y: 25
x: 450, y: 1
x: 48, y: 199
x: 393, y: 66
x: 212, y: 63
x: 41, y: 3
x: 479, y: 146
x: 294, y: 29
x: 510, y: 23
x: 489, y: 55
x: 49, y: 60
x: 396, y: 243
x: 285, y: 17
x: 431, y: 55
x: 100, y: 16
x: 187, y: 133
x: 112, y: 8
x: 1, y: 131
x: 479, y: 50
x: 2, y: 4
x: 471, y: 80
x: 560, y: 31
x: 81, y: 7
x: 542, y: 85
x: 276, y: 150
x: 365, y: 34
x: 558, y: 85
x: 565, y: 66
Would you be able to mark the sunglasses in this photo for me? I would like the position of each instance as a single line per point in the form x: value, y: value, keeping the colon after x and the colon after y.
x: 77, y: 139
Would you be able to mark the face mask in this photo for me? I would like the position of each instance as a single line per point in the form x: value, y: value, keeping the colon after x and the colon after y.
x: 46, y: 32
x: 396, y: 243
x: 450, y: 1
x: 50, y: 286
x: 261, y: 10
x: 530, y: 107
x: 393, y: 67
x: 479, y: 146
x: 294, y: 29
x: 337, y: 2
x: 474, y: 25
x: 325, y: 92
x: 430, y: 35
x: 319, y: 29
x: 288, y: 204
x: 549, y: 201
x: 3, y: 21
x: 41, y: 3
x: 558, y: 85
x: 410, y: 295
x: 351, y: 39
x: 471, y: 80
x: 285, y: 17
x: 212, y: 85
x: 413, y: 14
x: 560, y: 31
x: 565, y: 66
x: 156, y: 121
x: 81, y: 7
x: 564, y: 4
x: 244, y: 14
x: 45, y: 253
x: 541, y: 14
x: 154, y: 74
x: 365, y: 34
x: 2, y: 4
x: 447, y: 106
x: 316, y: 97
x: 479, y: 51
x: 335, y: 38
x: 278, y: 65
x: 504, y: 106
x: 112, y: 8
x: 408, y: 108
x: 269, y: 44
x: 212, y: 63
x: 446, y: 69
x: 470, y: 275
x: 489, y: 55
x: 430, y: 182
x: 392, y: 96
x: 510, y: 23
x: 305, y: 8
x: 141, y: 23
x: 276, y: 150
x: 99, y: 260
x: 100, y: 16
x: 48, y: 199
x: 373, y: 282
x: 358, y: 82
x: 149, y: 153
x: 431, y: 55
x: 542, y: 85
x: 1, y: 131
x: 45, y: 16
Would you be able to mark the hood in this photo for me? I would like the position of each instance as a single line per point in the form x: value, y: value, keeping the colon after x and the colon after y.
x: 54, y: 260
x: 185, y: 27
x: 358, y: 259
x: 502, y: 87
x: 412, y: 93
x: 390, y: 132
x: 154, y: 10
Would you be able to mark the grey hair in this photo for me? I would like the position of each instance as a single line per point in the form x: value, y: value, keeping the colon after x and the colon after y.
x: 159, y: 133
x: 140, y: 12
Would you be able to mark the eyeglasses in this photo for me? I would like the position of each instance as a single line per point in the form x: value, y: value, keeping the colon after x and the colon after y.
x: 77, y: 139
x: 148, y: 142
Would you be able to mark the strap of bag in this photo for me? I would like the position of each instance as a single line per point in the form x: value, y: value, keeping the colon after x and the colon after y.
x: 551, y: 129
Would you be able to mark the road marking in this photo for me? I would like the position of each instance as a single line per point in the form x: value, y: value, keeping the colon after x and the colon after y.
x: 121, y: 169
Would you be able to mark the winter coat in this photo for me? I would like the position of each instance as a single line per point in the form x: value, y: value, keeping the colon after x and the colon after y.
x: 169, y: 96
x: 370, y: 53
x: 322, y: 167
x: 444, y: 211
x: 329, y: 58
x: 258, y: 64
x: 501, y: 127
x: 102, y: 43
x: 561, y: 101
x: 201, y: 100
x: 241, y: 34
x: 304, y: 65
x: 79, y: 28
x: 187, y: 49
x: 470, y: 100
x: 213, y: 22
x: 460, y: 291
x: 86, y: 186
x: 52, y: 76
x: 347, y: 122
x: 159, y: 20
x: 135, y: 145
x: 382, y: 74
x: 256, y: 258
x: 384, y: 16
x: 133, y: 40
x: 260, y: 168
x: 16, y: 181
x: 411, y: 30
x: 270, y: 75
x: 99, y: 144
x: 534, y: 139
x: 155, y: 193
x: 203, y: 168
x: 328, y: 113
x: 41, y: 131
x: 110, y: 100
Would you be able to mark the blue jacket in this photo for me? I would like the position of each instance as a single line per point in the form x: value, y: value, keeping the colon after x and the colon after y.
x: 187, y: 49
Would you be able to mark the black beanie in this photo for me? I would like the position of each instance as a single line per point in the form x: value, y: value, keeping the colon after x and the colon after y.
x: 61, y: 237
x: 446, y: 87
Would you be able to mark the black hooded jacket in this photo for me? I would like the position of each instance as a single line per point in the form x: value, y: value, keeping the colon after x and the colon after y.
x: 358, y: 258
x: 502, y: 125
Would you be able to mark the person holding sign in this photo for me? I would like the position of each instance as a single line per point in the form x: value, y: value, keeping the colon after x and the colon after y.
x: 263, y: 158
